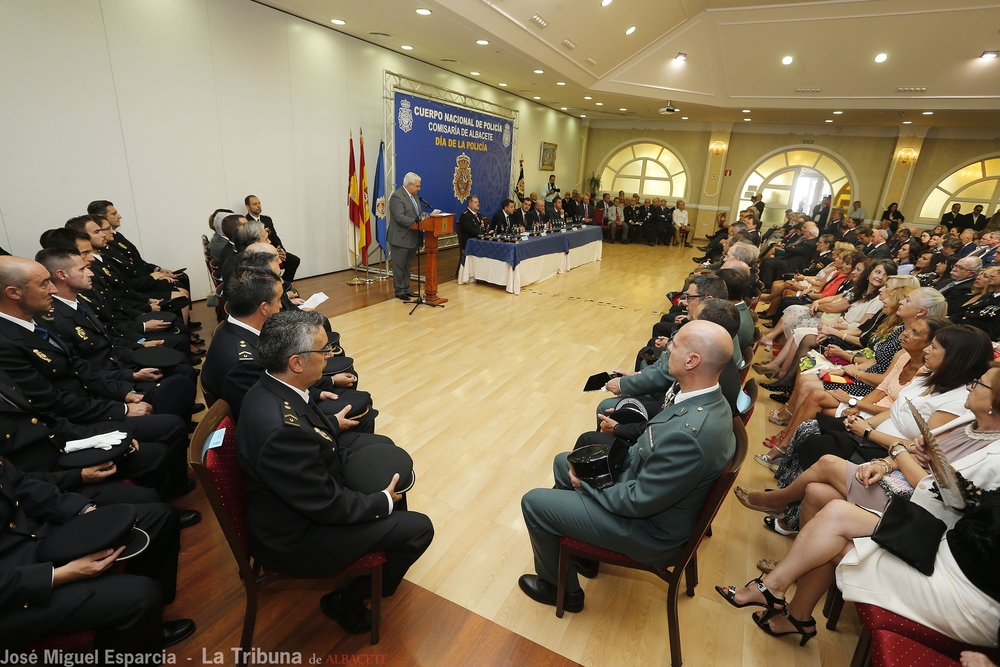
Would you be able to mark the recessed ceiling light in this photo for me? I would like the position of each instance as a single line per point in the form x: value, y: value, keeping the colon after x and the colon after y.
x: 928, y: 113
x: 990, y: 54
x: 406, y: 47
x: 828, y: 120
x: 583, y: 115
x: 746, y: 111
x: 837, y: 113
x: 881, y: 58
x: 337, y: 22
x: 424, y: 12
x: 502, y: 85
x: 748, y: 119
x: 622, y: 109
x: 539, y: 71
x: 787, y: 60
x: 600, y: 104
x: 681, y: 56
x: 563, y: 108
x: 474, y: 73
x: 380, y: 34
x: 587, y: 97
x: 482, y: 42
x: 684, y: 117
x: 448, y: 60
x: 605, y: 3
x: 536, y: 97
x: 560, y: 83
x: 630, y: 30
x: 907, y: 122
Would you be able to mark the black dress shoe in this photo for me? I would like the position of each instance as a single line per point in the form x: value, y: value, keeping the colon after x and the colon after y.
x: 703, y: 248
x: 192, y: 324
x: 542, y: 591
x: 197, y: 407
x: 699, y: 260
x: 197, y: 353
x: 184, y: 488
x: 402, y: 297
x: 775, y: 386
x: 587, y: 568
x: 189, y: 518
x: 177, y: 631
x: 411, y: 295
x: 355, y: 619
x: 780, y: 398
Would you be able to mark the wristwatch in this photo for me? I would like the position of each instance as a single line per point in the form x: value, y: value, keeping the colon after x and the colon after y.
x: 852, y: 401
x: 894, y: 452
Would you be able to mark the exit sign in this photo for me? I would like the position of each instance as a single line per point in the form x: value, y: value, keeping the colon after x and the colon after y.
x: 808, y: 141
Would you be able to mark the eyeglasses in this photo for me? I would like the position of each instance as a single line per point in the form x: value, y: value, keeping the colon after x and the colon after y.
x: 688, y: 297
x: 328, y: 350
x: 978, y: 383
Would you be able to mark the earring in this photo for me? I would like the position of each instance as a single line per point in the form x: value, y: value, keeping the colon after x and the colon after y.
x: 991, y: 413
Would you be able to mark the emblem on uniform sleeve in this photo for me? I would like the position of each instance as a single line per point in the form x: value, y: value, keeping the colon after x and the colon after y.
x: 405, y: 117
x: 41, y: 355
x: 323, y: 433
x: 463, y: 177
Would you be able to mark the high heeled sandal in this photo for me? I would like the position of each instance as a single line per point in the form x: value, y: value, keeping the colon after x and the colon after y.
x: 774, y: 523
x: 769, y: 462
x: 770, y: 603
x: 743, y: 496
x: 771, y: 373
x: 763, y: 621
x: 774, y: 416
x: 773, y: 440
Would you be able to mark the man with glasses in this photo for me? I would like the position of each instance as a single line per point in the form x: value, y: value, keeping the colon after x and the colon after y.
x: 957, y: 286
x: 303, y: 517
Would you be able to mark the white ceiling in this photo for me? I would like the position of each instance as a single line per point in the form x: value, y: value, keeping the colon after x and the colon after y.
x: 734, y: 50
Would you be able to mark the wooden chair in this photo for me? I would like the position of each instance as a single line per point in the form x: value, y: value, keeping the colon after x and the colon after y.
x: 750, y: 389
x: 223, y: 482
x: 215, y: 278
x: 747, y: 354
x: 687, y: 562
x: 599, y: 220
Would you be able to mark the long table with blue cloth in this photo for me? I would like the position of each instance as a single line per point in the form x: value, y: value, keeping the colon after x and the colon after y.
x: 530, y: 260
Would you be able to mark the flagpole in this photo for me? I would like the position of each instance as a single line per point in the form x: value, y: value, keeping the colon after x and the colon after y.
x: 356, y: 280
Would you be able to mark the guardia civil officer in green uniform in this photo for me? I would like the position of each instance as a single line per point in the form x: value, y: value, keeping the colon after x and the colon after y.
x: 650, y: 511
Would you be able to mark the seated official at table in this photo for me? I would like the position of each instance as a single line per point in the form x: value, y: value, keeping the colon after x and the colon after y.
x: 302, y: 518
x: 650, y: 511
x: 470, y: 223
x: 502, y: 221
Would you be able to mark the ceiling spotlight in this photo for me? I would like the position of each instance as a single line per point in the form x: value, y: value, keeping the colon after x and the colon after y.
x: 837, y: 113
x: 587, y: 97
x: 881, y: 58
x: 583, y: 115
x: 928, y: 113
x: 605, y: 3
x: 748, y: 119
x: 630, y: 30
x: 684, y: 117
x: 990, y: 54
x: 560, y: 83
x: 424, y: 12
x: 828, y: 120
x: 563, y: 108
x: 482, y: 42
x: 787, y: 60
x: 536, y: 97
x: 538, y: 19
x: 406, y: 47
x: 907, y: 122
x: 600, y: 104
x: 622, y: 109
x: 539, y: 71
x: 337, y: 22
x: 502, y: 85
x: 681, y: 56
x: 746, y: 111
x: 474, y: 73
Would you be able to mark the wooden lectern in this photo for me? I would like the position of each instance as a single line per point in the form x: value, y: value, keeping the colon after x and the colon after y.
x: 435, y: 226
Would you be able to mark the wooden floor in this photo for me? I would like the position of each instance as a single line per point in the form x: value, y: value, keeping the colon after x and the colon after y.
x: 483, y: 393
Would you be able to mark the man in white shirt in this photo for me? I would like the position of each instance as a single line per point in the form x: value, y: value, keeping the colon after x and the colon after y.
x: 857, y: 213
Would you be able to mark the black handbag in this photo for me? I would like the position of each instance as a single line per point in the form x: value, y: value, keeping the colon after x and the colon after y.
x: 911, y: 533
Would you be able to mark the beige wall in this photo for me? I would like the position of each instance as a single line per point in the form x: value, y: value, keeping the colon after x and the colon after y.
x: 939, y: 157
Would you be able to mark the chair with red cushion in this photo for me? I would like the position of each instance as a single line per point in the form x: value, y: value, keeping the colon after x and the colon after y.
x: 225, y: 488
x: 875, y: 618
x: 687, y: 562
x: 892, y: 650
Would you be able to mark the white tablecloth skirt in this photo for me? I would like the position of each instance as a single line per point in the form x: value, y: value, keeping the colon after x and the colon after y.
x: 528, y: 271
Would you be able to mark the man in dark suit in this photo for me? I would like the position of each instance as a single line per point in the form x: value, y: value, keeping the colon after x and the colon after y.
x: 797, y: 256
x: 38, y: 599
x: 821, y: 212
x: 303, y: 517
x: 536, y: 217
x: 556, y: 215
x: 59, y: 384
x: 952, y: 217
x: 289, y: 262
x: 523, y: 215
x: 501, y: 220
x: 957, y: 286
x: 988, y: 253
x: 470, y: 223
x: 585, y: 211
x: 879, y: 248
x: 404, y: 212
x: 975, y: 220
x: 649, y: 513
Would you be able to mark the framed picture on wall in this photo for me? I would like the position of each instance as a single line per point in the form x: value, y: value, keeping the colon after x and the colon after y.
x: 547, y: 157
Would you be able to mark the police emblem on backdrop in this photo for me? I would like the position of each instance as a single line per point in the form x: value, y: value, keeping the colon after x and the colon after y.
x: 463, y: 177
x: 506, y: 135
x: 405, y: 117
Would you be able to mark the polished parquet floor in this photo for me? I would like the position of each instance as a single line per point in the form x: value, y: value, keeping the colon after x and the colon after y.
x: 483, y: 393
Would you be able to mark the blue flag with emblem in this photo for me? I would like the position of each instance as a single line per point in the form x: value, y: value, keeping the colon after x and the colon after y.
x: 378, y: 199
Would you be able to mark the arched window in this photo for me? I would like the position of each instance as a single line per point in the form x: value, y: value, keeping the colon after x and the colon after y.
x: 795, y: 179
x: 976, y: 183
x: 649, y: 169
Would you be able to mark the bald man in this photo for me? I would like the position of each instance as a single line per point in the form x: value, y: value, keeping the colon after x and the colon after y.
x: 650, y: 511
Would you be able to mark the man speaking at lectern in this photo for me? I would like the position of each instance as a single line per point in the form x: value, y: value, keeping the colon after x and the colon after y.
x: 404, y: 211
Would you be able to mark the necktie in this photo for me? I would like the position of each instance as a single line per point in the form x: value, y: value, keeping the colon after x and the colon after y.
x: 42, y: 332
x: 80, y: 309
x: 947, y: 287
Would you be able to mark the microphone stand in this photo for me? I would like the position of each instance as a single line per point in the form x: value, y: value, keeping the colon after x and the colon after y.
x: 420, y: 294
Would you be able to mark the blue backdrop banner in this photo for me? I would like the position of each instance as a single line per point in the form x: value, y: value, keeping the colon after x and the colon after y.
x: 457, y: 153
